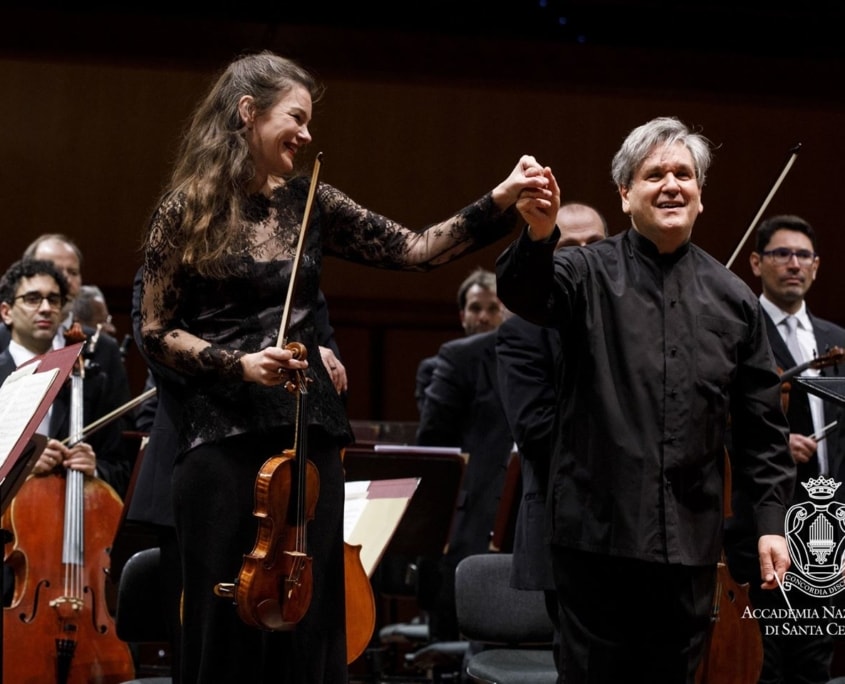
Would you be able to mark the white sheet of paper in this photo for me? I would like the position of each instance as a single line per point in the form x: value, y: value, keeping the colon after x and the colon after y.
x: 372, y: 511
x: 20, y: 396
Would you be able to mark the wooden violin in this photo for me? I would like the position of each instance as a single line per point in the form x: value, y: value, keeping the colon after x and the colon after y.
x: 832, y: 357
x: 274, y: 587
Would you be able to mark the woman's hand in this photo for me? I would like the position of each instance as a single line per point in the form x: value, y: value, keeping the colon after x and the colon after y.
x: 270, y: 366
x: 539, y: 207
x: 335, y: 369
x: 527, y: 174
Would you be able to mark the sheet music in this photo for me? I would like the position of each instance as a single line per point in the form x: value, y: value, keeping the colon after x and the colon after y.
x: 20, y: 395
x: 372, y: 511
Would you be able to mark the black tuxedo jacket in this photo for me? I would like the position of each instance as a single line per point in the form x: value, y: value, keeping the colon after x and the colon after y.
x: 105, y: 388
x: 740, y: 532
x: 827, y: 335
x: 528, y: 357
x: 463, y: 408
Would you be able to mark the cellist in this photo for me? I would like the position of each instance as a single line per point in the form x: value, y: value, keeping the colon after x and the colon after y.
x: 32, y: 295
x: 786, y: 260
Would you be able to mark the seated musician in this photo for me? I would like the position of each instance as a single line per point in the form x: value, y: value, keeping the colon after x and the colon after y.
x: 32, y: 294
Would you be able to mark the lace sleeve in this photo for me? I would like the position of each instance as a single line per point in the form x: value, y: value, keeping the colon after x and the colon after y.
x: 164, y: 340
x: 363, y: 236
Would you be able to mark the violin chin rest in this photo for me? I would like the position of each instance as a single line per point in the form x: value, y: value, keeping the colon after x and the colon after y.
x: 269, y: 615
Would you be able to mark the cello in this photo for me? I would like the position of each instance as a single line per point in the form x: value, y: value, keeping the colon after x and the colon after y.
x: 58, y: 624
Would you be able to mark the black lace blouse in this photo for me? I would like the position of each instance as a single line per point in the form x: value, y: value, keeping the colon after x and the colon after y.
x: 241, y: 313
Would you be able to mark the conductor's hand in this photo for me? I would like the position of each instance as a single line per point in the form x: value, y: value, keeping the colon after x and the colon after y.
x: 270, y: 366
x: 801, y: 447
x: 774, y: 559
x: 335, y: 369
x: 527, y: 174
x: 539, y: 207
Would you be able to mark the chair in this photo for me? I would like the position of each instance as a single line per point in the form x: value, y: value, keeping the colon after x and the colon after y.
x: 510, y: 626
x: 140, y: 615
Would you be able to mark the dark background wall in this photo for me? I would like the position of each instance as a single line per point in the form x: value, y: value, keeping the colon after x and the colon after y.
x: 422, y: 114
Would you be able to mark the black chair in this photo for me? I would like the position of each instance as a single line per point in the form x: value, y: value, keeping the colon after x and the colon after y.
x: 511, y: 631
x: 140, y: 614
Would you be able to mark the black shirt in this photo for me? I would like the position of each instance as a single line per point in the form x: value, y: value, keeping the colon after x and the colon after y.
x: 660, y: 351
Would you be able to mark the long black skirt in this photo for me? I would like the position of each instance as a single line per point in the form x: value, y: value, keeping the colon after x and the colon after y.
x: 214, y: 496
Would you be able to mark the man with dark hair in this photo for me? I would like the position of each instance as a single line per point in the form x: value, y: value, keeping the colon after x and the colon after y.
x: 479, y: 309
x: 32, y: 295
x: 527, y: 359
x: 786, y: 260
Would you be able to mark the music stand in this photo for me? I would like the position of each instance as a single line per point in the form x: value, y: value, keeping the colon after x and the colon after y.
x: 19, y: 471
x: 831, y: 388
x: 424, y: 529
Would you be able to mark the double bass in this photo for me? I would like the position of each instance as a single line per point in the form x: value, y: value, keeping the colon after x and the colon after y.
x: 58, y: 628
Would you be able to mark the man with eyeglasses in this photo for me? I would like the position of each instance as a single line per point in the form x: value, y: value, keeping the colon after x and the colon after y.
x: 786, y: 261
x: 32, y: 295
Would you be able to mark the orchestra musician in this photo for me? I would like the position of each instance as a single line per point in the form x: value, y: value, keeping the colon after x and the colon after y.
x: 218, y: 263
x: 786, y: 260
x: 32, y: 296
x: 527, y: 356
x: 661, y: 346
x: 151, y: 502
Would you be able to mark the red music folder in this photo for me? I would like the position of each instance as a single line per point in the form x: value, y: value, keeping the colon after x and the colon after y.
x: 25, y: 397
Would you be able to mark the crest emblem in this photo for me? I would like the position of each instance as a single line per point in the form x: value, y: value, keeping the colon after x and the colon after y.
x: 815, y: 535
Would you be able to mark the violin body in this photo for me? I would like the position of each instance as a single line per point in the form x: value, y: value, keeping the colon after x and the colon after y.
x: 274, y: 587
x: 56, y: 631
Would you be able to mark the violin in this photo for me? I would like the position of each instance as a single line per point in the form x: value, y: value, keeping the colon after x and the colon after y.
x: 832, y: 357
x: 58, y: 624
x: 274, y: 587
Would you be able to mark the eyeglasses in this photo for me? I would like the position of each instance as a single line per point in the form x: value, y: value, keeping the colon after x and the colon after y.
x: 783, y: 255
x: 34, y: 299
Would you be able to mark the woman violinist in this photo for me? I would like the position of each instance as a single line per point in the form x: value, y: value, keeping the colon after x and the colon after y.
x: 217, y: 266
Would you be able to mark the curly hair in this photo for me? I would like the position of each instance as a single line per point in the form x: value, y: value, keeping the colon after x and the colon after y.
x: 29, y: 268
x: 214, y: 167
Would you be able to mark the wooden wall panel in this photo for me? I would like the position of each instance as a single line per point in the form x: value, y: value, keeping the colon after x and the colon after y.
x: 414, y: 127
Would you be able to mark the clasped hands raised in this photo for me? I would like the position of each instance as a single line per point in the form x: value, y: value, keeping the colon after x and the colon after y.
x: 534, y: 190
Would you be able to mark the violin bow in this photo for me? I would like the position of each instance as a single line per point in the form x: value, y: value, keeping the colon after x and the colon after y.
x: 282, y: 339
x: 121, y: 410
x: 793, y: 155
